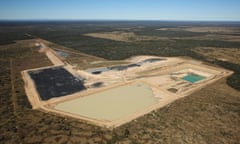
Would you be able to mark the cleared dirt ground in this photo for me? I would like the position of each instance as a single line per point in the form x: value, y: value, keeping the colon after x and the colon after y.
x: 123, y: 36
x: 211, y: 115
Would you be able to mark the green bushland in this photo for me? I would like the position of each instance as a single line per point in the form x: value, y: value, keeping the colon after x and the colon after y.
x: 71, y: 35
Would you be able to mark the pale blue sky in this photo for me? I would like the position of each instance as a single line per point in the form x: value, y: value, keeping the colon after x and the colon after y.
x: 213, y: 10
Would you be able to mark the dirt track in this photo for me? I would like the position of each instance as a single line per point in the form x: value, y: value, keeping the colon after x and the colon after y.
x: 14, y: 97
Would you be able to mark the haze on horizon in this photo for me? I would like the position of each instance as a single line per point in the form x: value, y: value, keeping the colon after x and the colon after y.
x: 192, y: 10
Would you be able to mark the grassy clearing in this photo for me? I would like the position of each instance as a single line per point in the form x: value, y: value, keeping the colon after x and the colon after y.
x: 124, y: 36
x: 224, y: 54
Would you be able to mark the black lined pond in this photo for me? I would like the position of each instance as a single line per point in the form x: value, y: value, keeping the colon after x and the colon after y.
x: 55, y: 82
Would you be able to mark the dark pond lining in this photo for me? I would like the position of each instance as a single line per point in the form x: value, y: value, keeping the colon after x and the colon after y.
x: 124, y: 67
x: 55, y: 82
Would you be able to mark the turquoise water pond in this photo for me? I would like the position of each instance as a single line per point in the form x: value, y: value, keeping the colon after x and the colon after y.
x: 193, y: 78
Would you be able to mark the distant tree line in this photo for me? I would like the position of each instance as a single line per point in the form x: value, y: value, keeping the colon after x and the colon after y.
x: 70, y: 35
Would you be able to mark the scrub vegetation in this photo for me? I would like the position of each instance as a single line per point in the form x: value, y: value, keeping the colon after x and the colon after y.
x: 163, y: 39
x: 210, y: 115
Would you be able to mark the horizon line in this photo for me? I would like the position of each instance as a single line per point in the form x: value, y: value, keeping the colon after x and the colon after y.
x: 166, y: 20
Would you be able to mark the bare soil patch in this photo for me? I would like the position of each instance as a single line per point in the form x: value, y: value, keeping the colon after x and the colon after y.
x: 212, y: 29
x: 123, y: 36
